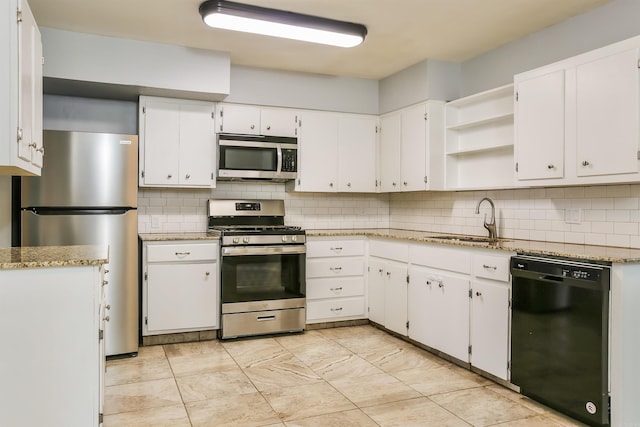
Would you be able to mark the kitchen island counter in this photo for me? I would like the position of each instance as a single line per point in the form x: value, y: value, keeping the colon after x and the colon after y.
x: 588, y: 252
x: 53, y: 256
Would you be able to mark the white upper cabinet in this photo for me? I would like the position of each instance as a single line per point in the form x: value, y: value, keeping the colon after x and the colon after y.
x: 539, y: 126
x: 256, y: 120
x: 577, y: 121
x: 608, y: 114
x: 177, y: 143
x: 337, y: 152
x: 21, y: 149
x: 411, y: 148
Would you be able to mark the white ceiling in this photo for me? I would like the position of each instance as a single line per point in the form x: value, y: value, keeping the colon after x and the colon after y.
x: 400, y: 33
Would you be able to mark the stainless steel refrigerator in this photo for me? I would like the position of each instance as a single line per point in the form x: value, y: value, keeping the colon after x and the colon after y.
x: 88, y: 194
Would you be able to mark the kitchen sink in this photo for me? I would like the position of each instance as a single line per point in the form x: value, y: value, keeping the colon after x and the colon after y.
x: 467, y: 239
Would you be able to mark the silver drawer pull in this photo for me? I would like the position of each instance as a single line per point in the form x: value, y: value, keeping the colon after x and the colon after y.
x: 489, y: 267
x: 441, y: 285
x: 266, y: 318
x: 335, y: 268
x: 336, y: 289
x: 337, y: 309
x: 336, y: 249
x: 478, y: 293
x: 183, y: 253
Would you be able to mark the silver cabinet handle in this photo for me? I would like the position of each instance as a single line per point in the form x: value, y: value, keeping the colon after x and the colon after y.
x: 253, y: 126
x: 489, y: 267
x: 336, y: 289
x: 393, y: 183
x: 441, y: 285
x: 107, y: 307
x: 348, y: 184
x: 337, y: 309
x: 169, y: 176
x: 268, y: 127
x: 585, y: 163
x: 335, y: 268
x: 183, y: 253
x: 550, y: 166
x: 380, y: 270
x: 478, y: 294
x: 331, y: 184
x: 336, y: 249
x: 265, y: 318
x: 388, y: 274
x: 106, y: 271
x: 106, y: 318
x: 207, y: 273
x: 187, y: 176
x: 405, y: 183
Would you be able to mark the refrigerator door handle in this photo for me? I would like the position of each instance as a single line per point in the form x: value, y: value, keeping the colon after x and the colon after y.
x: 78, y: 211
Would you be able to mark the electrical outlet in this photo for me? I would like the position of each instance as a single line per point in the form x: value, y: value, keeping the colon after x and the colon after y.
x: 573, y: 216
x: 155, y: 221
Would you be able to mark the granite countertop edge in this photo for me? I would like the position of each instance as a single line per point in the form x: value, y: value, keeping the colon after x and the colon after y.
x: 610, y: 254
x: 53, y: 256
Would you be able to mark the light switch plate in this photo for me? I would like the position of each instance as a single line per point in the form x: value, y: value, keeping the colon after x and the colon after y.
x: 155, y: 221
x: 573, y: 216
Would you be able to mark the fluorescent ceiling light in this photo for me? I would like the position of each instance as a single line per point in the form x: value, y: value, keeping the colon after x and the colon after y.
x: 278, y: 23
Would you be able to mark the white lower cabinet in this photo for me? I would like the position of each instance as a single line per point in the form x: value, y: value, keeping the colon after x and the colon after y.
x: 439, y: 310
x: 388, y: 270
x: 53, y: 361
x: 335, y: 279
x: 181, y: 290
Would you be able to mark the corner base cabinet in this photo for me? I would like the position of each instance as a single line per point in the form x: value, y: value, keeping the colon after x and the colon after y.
x: 53, y: 363
x: 180, y: 287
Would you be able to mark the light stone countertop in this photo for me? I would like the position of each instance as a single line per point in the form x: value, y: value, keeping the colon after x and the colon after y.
x: 159, y: 237
x: 53, y: 256
x: 586, y: 252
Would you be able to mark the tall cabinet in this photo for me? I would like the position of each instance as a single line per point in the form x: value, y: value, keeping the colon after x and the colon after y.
x: 21, y: 149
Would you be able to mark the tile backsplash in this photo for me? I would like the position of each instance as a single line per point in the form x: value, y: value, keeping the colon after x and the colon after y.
x: 598, y: 215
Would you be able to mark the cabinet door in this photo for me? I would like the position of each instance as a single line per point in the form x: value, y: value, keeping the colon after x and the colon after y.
x: 243, y: 119
x: 161, y: 138
x: 181, y: 296
x: 318, y: 152
x: 413, y: 148
x: 376, y: 290
x: 278, y: 122
x: 29, y: 88
x: 423, y: 311
x: 608, y: 111
x: 197, y: 145
x: 390, y: 158
x: 395, y: 297
x: 490, y: 328
x: 454, y: 319
x: 356, y: 154
x: 540, y: 126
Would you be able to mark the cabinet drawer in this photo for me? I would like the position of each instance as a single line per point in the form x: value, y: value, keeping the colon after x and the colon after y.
x: 182, y: 252
x: 436, y: 256
x: 332, y: 248
x: 331, y: 288
x: 340, y: 307
x: 491, y: 267
x: 334, y: 268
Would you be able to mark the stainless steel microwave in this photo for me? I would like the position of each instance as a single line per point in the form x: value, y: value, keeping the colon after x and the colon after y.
x: 257, y: 157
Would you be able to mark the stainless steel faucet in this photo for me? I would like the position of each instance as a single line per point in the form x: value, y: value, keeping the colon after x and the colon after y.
x: 491, y: 225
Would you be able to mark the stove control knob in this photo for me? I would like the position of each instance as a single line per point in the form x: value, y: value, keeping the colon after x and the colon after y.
x: 294, y: 239
x: 245, y: 240
x: 284, y: 238
x: 236, y: 240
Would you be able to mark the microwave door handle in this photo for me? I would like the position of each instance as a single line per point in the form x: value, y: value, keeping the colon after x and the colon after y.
x: 279, y: 166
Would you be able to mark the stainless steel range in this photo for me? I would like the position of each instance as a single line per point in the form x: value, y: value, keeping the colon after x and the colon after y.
x: 262, y: 268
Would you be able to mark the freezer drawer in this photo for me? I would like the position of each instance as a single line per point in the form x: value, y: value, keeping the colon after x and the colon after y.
x: 119, y: 231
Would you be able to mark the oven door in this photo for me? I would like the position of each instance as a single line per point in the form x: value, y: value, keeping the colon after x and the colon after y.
x: 262, y: 273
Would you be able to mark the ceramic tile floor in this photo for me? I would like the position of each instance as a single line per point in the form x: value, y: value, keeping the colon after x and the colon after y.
x: 351, y: 376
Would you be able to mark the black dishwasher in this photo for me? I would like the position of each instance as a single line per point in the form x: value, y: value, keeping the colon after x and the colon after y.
x: 559, y: 334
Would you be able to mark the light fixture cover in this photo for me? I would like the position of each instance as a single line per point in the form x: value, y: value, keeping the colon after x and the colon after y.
x: 278, y: 23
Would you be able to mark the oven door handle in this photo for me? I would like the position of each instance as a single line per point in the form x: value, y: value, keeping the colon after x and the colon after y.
x: 263, y: 250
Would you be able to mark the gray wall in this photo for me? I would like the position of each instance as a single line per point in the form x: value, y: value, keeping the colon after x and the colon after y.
x: 607, y: 24
x: 89, y: 115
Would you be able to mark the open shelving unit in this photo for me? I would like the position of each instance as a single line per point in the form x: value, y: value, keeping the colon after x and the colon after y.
x: 479, y: 140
